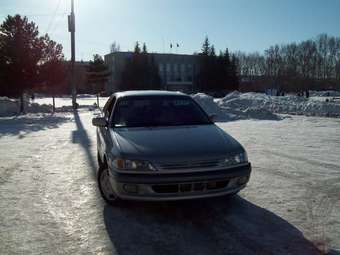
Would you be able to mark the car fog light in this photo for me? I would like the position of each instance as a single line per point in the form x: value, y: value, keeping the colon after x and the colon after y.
x: 130, y: 188
x: 243, y: 180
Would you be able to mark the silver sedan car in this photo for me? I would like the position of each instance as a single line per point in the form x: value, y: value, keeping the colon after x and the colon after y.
x: 160, y: 145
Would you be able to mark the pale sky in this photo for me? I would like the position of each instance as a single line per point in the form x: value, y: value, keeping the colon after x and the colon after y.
x: 246, y: 25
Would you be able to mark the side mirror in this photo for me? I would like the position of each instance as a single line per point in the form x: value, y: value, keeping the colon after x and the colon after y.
x: 213, y: 117
x: 99, y: 122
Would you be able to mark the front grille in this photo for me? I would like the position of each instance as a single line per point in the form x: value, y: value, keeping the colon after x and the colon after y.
x: 190, y: 164
x: 190, y: 187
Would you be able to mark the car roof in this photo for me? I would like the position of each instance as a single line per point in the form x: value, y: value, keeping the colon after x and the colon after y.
x: 148, y: 93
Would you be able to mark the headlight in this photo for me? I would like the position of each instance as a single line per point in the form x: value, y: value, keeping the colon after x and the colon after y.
x: 126, y: 164
x: 236, y: 159
x: 241, y: 158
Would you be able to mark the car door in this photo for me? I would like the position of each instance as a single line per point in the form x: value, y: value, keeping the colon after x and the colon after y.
x: 104, y: 138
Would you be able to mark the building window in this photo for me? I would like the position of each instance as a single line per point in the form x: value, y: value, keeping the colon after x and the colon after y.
x: 183, y: 72
x: 179, y: 72
x: 161, y: 68
x: 189, y: 68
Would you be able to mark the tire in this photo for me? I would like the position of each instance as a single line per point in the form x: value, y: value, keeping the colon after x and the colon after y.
x: 99, y: 160
x: 104, y: 185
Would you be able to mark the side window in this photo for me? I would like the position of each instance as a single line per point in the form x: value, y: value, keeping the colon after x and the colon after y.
x: 108, y: 108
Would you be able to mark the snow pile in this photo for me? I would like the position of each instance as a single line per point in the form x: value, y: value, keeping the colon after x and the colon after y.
x: 236, y: 110
x: 287, y: 104
x: 211, y: 107
x: 325, y: 93
x: 260, y: 106
x: 38, y: 108
x: 10, y: 107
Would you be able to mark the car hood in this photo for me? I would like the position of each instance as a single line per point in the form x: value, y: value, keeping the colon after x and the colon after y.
x: 175, y: 143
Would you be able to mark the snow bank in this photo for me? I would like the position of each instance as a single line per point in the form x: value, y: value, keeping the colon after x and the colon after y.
x: 8, y: 107
x: 208, y: 104
x: 38, y: 108
x: 234, y: 110
x: 325, y: 93
x: 260, y: 106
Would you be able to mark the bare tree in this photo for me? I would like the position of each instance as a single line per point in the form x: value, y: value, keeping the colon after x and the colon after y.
x: 299, y: 66
x: 114, y: 47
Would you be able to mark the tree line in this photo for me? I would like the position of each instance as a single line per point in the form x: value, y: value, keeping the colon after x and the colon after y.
x: 217, y: 73
x: 310, y: 64
x: 140, y: 71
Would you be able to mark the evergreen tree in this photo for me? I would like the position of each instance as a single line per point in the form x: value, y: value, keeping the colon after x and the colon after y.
x: 52, y: 72
x: 140, y: 71
x: 228, y: 75
x: 137, y: 48
x: 218, y: 74
x: 206, y: 47
x: 23, y: 55
x: 234, y: 74
x: 144, y: 49
x: 204, y: 65
x: 226, y: 57
x: 97, y: 74
x: 212, y: 51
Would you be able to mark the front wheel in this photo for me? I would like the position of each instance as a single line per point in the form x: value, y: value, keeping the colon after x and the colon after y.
x: 105, y: 187
x: 99, y: 160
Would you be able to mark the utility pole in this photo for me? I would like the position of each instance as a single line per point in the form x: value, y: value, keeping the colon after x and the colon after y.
x: 71, y: 29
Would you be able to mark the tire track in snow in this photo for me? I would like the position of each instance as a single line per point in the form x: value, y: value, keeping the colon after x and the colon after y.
x: 304, y: 160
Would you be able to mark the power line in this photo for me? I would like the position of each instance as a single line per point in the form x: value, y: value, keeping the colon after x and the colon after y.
x: 64, y: 37
x: 34, y: 14
x: 59, y: 18
x: 56, y: 23
x: 53, y: 17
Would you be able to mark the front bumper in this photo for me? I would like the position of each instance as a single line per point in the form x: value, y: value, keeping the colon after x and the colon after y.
x: 177, y: 186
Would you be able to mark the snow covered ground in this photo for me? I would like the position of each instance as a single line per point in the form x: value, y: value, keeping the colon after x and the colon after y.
x: 50, y: 204
x: 10, y: 107
x: 83, y: 100
x: 234, y: 106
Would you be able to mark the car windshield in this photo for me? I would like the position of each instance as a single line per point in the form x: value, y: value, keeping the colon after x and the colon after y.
x: 158, y: 111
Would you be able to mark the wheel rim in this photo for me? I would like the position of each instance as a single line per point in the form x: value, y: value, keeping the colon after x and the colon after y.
x: 106, y: 186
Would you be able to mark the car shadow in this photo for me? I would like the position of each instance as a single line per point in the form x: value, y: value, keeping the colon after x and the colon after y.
x: 23, y: 125
x: 333, y: 252
x: 212, y: 226
x: 81, y: 137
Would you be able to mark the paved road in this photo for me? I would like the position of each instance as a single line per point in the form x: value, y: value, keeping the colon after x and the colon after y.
x: 50, y: 204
